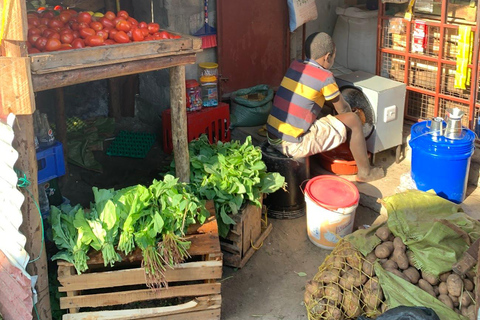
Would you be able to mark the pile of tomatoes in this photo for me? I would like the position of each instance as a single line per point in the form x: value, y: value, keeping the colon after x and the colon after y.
x: 66, y: 29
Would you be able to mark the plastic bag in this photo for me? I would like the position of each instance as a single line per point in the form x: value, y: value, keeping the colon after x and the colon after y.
x: 407, y: 313
x: 250, y: 107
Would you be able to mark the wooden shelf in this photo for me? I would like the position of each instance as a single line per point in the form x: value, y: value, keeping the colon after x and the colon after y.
x: 63, y: 68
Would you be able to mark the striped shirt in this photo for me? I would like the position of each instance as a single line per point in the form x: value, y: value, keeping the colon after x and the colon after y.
x: 297, y: 103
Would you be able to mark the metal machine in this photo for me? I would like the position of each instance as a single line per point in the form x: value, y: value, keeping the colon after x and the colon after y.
x: 383, y: 101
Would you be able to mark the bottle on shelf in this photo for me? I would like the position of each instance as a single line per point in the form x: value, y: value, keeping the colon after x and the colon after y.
x: 45, y: 133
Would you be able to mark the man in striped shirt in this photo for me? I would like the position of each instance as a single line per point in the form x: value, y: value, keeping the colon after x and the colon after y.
x: 296, y: 126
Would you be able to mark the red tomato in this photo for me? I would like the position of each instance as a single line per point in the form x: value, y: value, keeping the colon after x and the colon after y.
x: 42, y: 27
x: 32, y: 15
x: 48, y: 14
x: 65, y: 46
x: 44, y: 21
x: 109, y: 42
x: 106, y: 22
x: 35, y: 21
x: 112, y: 33
x: 149, y: 38
x: 34, y: 31
x: 144, y: 31
x: 121, y: 37
x: 172, y: 36
x: 103, y: 34
x: 55, y: 23
x: 74, y: 25
x: 123, y: 26
x: 64, y: 17
x: 33, y: 38
x: 48, y: 33
x: 85, y: 32
x: 94, y: 41
x: 53, y: 44
x: 132, y: 21
x: 76, y: 34
x: 137, y: 35
x: 28, y: 44
x: 33, y: 50
x: 72, y: 12
x: 110, y: 15
x: 78, y: 43
x: 65, y: 30
x: 153, y: 27
x: 67, y: 38
x: 142, y: 25
x: 161, y: 35
x: 95, y: 25
x: 122, y: 13
x: 41, y: 43
x: 115, y: 21
x: 84, y: 17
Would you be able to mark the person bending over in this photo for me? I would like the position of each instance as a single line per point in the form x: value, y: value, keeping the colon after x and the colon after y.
x: 293, y: 125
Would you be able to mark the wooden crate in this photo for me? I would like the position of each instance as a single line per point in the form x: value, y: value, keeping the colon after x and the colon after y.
x: 103, y: 287
x: 245, y: 237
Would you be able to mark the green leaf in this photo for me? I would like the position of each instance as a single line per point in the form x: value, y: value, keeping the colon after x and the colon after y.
x: 157, y: 223
x: 301, y: 274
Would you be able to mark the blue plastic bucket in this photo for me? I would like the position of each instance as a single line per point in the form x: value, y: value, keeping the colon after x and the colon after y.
x: 439, y: 163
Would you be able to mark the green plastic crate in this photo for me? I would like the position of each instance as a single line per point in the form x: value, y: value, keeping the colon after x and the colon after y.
x: 131, y: 144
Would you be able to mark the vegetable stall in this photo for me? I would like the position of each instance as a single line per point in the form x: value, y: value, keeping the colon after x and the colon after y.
x: 28, y: 74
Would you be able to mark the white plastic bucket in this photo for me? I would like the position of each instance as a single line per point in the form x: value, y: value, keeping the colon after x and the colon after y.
x: 331, y: 203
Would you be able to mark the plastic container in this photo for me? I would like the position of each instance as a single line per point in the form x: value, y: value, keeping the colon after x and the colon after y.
x: 214, y: 122
x: 209, y: 91
x: 194, y: 95
x: 50, y: 162
x: 339, y: 160
x: 208, y: 69
x: 331, y: 203
x: 440, y: 163
x: 289, y: 204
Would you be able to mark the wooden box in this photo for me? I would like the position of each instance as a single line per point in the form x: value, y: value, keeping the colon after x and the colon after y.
x: 195, y: 282
x: 245, y: 237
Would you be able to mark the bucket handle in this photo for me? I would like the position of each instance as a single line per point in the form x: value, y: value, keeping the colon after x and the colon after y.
x: 302, y: 187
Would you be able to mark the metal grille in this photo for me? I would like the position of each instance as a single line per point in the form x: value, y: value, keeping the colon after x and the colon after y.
x: 420, y: 105
x: 422, y: 74
x: 447, y: 85
x: 393, y: 66
x: 450, y: 44
x: 476, y: 122
x: 393, y: 35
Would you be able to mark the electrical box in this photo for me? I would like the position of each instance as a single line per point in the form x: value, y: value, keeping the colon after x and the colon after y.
x: 387, y: 98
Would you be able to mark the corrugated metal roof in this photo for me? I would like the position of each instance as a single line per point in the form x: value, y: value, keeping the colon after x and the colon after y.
x: 15, y: 292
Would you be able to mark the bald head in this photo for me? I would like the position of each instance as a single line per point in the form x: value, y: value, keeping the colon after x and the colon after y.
x: 318, y: 44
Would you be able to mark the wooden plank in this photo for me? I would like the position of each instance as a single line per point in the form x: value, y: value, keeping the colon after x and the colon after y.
x: 179, y: 123
x: 252, y: 226
x: 256, y: 246
x: 49, y: 62
x: 16, y: 95
x: 199, y: 309
x: 66, y: 78
x: 15, y: 23
x: 114, y: 100
x: 124, y: 297
x: 190, y: 271
x: 35, y: 247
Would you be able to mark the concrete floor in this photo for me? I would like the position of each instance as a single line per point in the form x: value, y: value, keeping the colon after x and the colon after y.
x: 269, y: 287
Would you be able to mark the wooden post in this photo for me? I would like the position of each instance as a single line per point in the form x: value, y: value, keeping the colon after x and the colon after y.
x: 114, y: 98
x: 61, y: 122
x: 13, y: 45
x: 179, y: 123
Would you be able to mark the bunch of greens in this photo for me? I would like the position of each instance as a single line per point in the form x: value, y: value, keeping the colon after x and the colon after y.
x: 154, y: 219
x: 231, y: 174
x: 67, y: 238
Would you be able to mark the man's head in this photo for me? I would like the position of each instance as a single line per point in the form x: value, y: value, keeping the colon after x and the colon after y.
x: 319, y: 46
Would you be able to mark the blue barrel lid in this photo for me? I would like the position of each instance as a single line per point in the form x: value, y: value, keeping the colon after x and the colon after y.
x: 421, y: 137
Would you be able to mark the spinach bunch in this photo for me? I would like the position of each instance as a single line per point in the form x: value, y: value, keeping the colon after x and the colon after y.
x: 230, y: 174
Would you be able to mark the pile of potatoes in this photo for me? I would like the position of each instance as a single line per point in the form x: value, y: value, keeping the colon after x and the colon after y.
x: 346, y: 285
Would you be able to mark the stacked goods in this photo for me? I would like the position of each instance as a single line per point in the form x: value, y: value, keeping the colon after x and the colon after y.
x: 66, y: 29
x: 347, y: 286
x: 406, y: 261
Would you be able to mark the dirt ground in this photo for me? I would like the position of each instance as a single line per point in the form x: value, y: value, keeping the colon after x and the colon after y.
x: 269, y: 286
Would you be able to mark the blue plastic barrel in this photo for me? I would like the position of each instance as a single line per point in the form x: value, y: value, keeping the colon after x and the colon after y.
x: 439, y: 163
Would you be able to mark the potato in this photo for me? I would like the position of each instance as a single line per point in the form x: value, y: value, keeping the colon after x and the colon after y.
x: 351, y: 304
x: 446, y: 300
x: 307, y: 298
x: 443, y: 277
x: 399, y: 255
x: 328, y: 276
x: 437, y: 292
x: 454, y: 285
x: 384, y: 250
x: 333, y: 313
x: 318, y: 308
x: 471, y: 312
x: 468, y: 284
x: 456, y: 301
x: 383, y: 233
x: 372, y: 294
x: 354, y: 259
x: 312, y: 286
x: 384, y: 307
x: 430, y: 278
x: 426, y: 286
x: 398, y: 243
x: 352, y: 278
x: 367, y: 266
x: 412, y: 274
x: 333, y: 293
x: 334, y: 262
x: 466, y: 298
x: 390, y: 264
x: 410, y: 257
x: 442, y: 288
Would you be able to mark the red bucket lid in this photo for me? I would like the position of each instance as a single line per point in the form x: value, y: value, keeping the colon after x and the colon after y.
x: 332, y: 192
x: 191, y: 83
